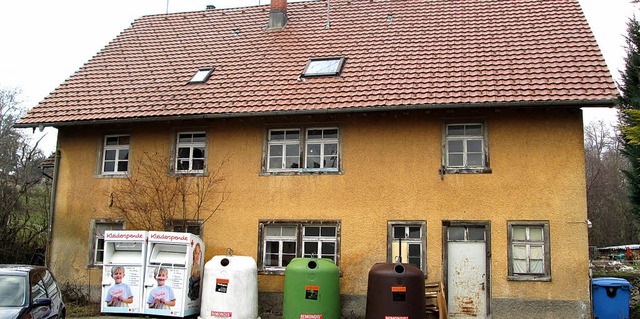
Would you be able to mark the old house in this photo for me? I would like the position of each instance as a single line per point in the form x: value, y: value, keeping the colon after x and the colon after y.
x: 346, y: 127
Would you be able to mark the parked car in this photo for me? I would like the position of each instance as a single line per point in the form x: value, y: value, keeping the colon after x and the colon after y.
x: 29, y: 292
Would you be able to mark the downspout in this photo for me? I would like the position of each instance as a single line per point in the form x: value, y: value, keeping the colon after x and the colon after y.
x: 52, y: 206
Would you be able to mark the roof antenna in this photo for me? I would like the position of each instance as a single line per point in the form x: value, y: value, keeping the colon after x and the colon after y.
x: 328, y: 14
x: 167, y: 7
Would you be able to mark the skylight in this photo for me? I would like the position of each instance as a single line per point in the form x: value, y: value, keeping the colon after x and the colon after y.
x: 324, y: 67
x: 201, y: 76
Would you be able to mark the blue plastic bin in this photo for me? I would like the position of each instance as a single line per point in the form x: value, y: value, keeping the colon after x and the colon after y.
x: 611, y: 298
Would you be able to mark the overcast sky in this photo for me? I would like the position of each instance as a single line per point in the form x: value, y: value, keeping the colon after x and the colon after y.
x: 46, y: 41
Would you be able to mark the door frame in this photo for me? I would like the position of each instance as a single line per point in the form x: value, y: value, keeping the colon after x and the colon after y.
x: 445, y: 260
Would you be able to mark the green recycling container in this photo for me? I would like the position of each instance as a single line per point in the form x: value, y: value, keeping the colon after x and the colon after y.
x: 311, y: 289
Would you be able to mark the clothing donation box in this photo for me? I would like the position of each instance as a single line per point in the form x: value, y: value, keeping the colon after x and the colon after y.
x: 174, y: 274
x: 123, y: 271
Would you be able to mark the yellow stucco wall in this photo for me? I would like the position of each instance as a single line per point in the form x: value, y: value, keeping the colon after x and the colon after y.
x: 390, y: 164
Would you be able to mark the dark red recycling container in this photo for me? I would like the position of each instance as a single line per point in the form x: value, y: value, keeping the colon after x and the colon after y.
x: 395, y: 291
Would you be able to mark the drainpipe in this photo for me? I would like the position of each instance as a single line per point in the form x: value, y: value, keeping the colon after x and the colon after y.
x: 52, y: 206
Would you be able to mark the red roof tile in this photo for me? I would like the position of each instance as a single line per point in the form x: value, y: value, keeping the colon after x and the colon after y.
x: 410, y: 53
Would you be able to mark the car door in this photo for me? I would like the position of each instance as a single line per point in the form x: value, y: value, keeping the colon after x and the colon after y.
x: 38, y: 291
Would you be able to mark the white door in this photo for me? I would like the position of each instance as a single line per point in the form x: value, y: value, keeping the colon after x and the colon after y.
x: 466, y: 272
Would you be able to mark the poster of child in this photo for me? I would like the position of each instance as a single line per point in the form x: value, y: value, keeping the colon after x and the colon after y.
x: 162, y: 296
x: 120, y: 294
x: 196, y: 269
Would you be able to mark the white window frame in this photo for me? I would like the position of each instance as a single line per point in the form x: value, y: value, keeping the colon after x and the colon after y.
x: 393, y: 242
x: 303, y: 157
x: 465, y: 138
x: 191, y: 146
x: 299, y: 239
x: 117, y: 148
x: 527, y: 243
x: 320, y: 240
x: 317, y: 67
x: 96, y: 240
x: 283, y: 143
x: 323, y: 142
x: 177, y: 224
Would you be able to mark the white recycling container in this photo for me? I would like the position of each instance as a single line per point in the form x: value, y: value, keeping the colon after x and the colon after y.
x: 230, y: 288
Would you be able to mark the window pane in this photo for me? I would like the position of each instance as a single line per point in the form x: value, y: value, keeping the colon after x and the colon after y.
x: 328, y: 249
x: 455, y: 146
x: 275, y: 162
x: 273, y: 231
x: 123, y: 155
x: 110, y: 155
x: 289, y: 231
x: 293, y: 149
x: 331, y: 162
x: 286, y: 259
x: 535, y: 233
x: 313, y: 162
x: 111, y: 140
x: 456, y: 233
x: 456, y: 160
x: 184, y: 138
x: 275, y: 150
x: 183, y: 165
x: 519, y: 233
x: 198, y: 152
x: 520, y: 266
x: 271, y: 260
x: 330, y: 133
x: 536, y: 252
x: 330, y: 149
x: 414, y: 232
x: 292, y: 162
x: 199, y: 137
x: 415, y: 261
x: 183, y: 152
x: 474, y: 160
x: 414, y: 250
x: 198, y: 165
x: 272, y: 247
x: 398, y: 232
x: 455, y: 130
x: 313, y: 149
x: 312, y: 231
x: 314, y: 134
x: 276, y: 135
x: 311, y: 248
x: 475, y: 129
x: 537, y: 266
x: 109, y: 166
x: 476, y: 233
x: 123, y: 166
x: 328, y: 231
x: 474, y: 146
x: 519, y: 252
x: 292, y: 135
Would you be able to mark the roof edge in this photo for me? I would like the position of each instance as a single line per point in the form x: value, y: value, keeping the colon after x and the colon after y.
x: 571, y: 104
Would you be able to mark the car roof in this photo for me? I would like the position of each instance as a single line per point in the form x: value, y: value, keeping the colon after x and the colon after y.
x: 18, y: 269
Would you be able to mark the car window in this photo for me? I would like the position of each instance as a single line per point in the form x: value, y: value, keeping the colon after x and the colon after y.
x: 37, y: 287
x: 12, y: 291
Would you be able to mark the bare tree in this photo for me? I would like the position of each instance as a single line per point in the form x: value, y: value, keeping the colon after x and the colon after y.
x: 24, y: 198
x: 152, y: 197
x: 608, y: 205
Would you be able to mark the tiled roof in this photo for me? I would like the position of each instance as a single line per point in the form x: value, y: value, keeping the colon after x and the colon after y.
x: 400, y: 54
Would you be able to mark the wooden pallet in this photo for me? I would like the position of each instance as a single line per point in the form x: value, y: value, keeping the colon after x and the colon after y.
x: 435, y: 301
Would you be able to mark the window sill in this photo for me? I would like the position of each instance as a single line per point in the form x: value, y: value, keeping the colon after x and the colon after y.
x: 529, y: 278
x: 479, y: 170
x: 276, y: 272
x: 300, y: 172
x: 125, y: 175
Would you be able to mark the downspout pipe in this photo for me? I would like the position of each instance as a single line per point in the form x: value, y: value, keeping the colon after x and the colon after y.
x: 52, y: 206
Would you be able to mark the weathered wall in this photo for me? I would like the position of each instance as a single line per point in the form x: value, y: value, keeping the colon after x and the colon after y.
x: 390, y: 164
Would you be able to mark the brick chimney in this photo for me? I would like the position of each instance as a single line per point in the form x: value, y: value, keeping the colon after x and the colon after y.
x: 278, y: 14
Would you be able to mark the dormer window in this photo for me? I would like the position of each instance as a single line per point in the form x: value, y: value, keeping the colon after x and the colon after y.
x: 324, y: 67
x: 201, y: 76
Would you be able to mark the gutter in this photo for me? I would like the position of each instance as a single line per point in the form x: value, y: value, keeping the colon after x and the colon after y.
x: 408, y: 107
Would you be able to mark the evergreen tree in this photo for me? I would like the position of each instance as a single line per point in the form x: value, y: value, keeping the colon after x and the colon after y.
x: 629, y: 104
